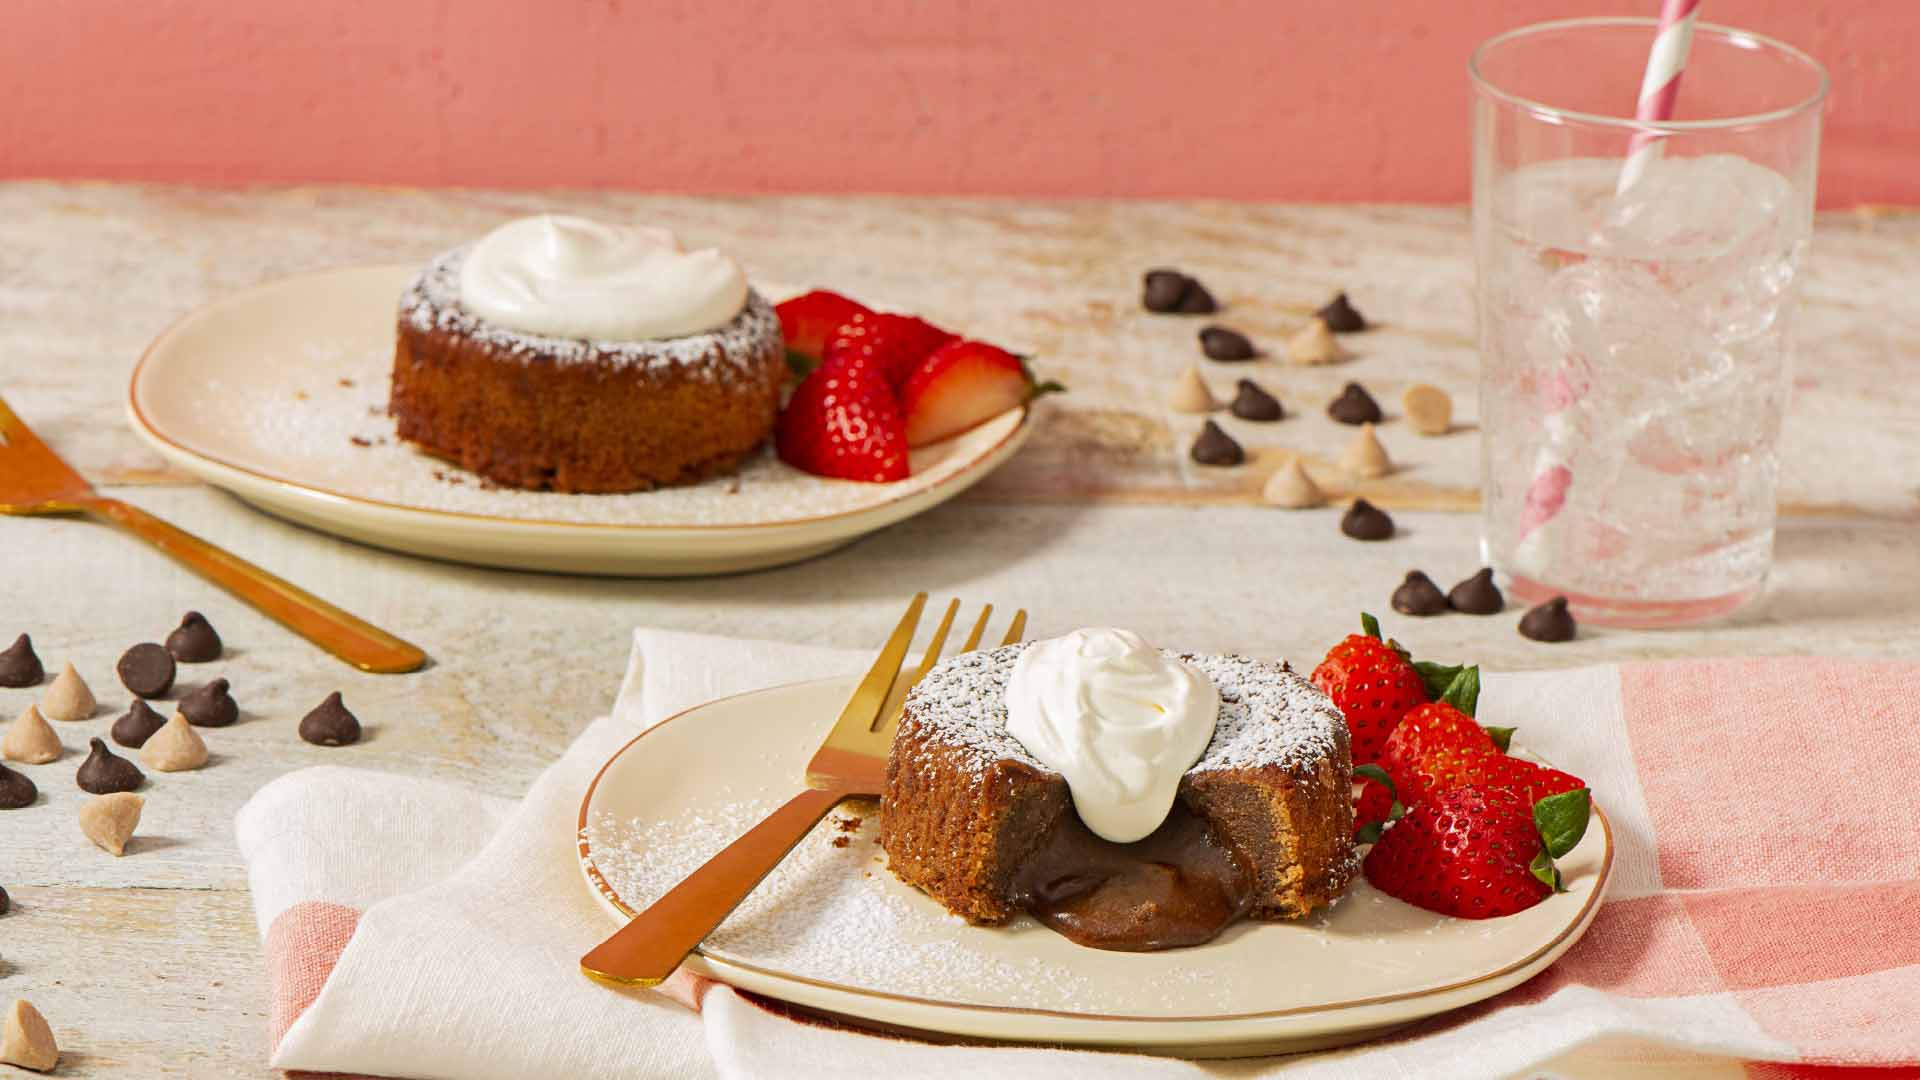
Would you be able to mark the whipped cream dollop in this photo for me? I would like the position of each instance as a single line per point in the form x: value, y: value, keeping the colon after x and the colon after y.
x: 1121, y: 720
x: 569, y: 277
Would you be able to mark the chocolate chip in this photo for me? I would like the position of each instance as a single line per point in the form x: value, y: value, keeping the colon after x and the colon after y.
x: 20, y: 665
x: 1477, y: 595
x: 16, y: 790
x: 1163, y: 290
x: 1341, y: 316
x: 330, y: 723
x: 1198, y: 300
x: 1418, y: 595
x: 1220, y: 343
x: 105, y: 772
x: 146, y: 669
x: 1216, y: 447
x: 1550, y: 621
x: 210, y: 705
x: 1253, y: 403
x: 137, y: 725
x: 1355, y: 406
x: 6, y: 904
x: 1365, y: 521
x: 194, y: 641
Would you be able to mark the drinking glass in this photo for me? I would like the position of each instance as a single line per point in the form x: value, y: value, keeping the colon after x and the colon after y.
x: 1636, y: 339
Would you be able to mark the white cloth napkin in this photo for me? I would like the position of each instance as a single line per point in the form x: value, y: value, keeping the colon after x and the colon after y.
x: 419, y: 929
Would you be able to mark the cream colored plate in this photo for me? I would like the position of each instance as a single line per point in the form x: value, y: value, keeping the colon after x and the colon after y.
x: 278, y: 395
x: 832, y: 930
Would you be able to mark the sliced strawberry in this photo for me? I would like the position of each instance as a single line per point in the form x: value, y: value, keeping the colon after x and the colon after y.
x: 1373, y: 685
x: 844, y: 422
x: 896, y: 343
x: 962, y: 384
x: 1478, y: 852
x: 808, y: 320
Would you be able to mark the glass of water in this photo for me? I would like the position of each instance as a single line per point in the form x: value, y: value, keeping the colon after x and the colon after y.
x: 1636, y: 337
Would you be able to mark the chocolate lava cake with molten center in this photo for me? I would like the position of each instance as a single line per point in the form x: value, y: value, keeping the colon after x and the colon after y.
x: 1261, y: 826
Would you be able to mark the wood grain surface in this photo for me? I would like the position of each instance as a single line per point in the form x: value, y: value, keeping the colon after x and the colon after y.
x: 149, y: 965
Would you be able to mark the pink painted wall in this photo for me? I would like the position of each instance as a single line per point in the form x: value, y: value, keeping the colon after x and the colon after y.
x: 1269, y: 99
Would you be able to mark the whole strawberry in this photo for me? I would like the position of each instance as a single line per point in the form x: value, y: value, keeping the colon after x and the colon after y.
x: 895, y: 344
x: 1446, y: 768
x: 1435, y: 726
x: 1478, y: 853
x: 1373, y: 684
x: 844, y: 422
x: 808, y: 320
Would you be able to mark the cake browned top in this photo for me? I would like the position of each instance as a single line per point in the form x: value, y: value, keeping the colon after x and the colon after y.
x: 1269, y: 715
x: 740, y: 349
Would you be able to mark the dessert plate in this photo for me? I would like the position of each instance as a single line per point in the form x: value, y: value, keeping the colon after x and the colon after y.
x: 278, y: 394
x: 832, y: 930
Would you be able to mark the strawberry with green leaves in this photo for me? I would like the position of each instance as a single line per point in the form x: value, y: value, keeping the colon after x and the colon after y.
x: 1373, y: 684
x: 1445, y: 769
x: 1479, y: 852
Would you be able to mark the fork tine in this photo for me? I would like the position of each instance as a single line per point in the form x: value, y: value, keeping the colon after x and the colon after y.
x: 36, y: 472
x: 1016, y: 628
x: 890, y: 715
x: 979, y: 628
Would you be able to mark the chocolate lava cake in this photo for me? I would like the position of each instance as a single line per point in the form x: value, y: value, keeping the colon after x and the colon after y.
x: 976, y: 822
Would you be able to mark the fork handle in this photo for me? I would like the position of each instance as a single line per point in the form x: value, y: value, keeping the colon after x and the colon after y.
x: 646, y: 950
x: 359, y: 643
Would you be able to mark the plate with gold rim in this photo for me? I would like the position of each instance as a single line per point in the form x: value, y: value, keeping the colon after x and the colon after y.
x: 278, y: 394
x: 831, y: 930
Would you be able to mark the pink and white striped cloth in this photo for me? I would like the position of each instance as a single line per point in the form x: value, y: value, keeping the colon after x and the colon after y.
x: 1767, y: 869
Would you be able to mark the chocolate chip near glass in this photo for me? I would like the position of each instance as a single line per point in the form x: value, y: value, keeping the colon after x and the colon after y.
x: 105, y: 772
x: 1216, y: 447
x: 137, y: 725
x: 1365, y: 521
x: 330, y: 723
x: 1418, y: 595
x: 210, y: 705
x: 1162, y: 290
x: 1549, y: 622
x: 20, y: 665
x: 6, y: 903
x: 1253, y: 403
x: 194, y: 641
x: 1227, y: 346
x: 16, y: 790
x: 1341, y: 316
x: 1477, y: 595
x: 1354, y: 406
x: 146, y: 669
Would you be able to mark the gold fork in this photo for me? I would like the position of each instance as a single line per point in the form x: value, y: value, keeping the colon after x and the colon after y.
x: 33, y: 481
x: 852, y: 762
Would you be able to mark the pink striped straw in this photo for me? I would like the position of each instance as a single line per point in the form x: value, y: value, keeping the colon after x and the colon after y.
x: 1660, y: 87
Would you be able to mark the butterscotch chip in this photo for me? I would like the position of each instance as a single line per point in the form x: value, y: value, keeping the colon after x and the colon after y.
x: 1190, y: 394
x: 26, y: 1040
x: 1291, y: 488
x: 68, y: 698
x: 1429, y: 410
x: 1314, y: 344
x: 1365, y: 456
x: 174, y: 748
x: 109, y: 820
x: 30, y: 740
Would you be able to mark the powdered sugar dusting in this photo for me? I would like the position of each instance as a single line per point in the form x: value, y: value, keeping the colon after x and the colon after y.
x: 1269, y: 715
x: 743, y: 347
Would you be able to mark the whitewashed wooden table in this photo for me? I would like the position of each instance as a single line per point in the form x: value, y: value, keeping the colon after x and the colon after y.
x: 149, y: 965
